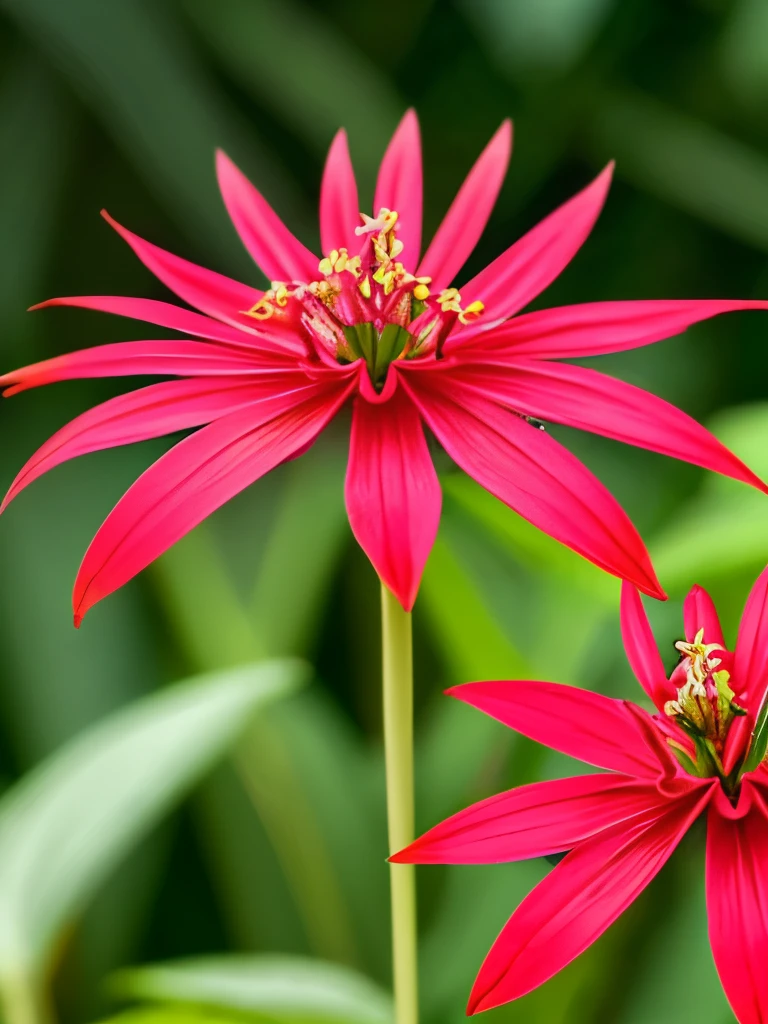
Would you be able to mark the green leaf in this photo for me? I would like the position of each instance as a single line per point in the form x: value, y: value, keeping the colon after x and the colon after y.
x: 315, y: 79
x: 759, y: 740
x: 282, y: 988
x: 66, y: 825
x: 130, y: 64
x: 686, y: 162
x: 525, y: 542
x: 722, y: 530
x: 303, y: 549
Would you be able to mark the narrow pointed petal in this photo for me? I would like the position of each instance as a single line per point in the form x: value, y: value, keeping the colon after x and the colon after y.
x: 533, y: 474
x: 193, y: 479
x: 588, y: 400
x: 400, y: 187
x: 212, y: 293
x: 596, y: 328
x: 132, y: 358
x: 750, y: 669
x: 532, y: 821
x: 339, y: 205
x: 274, y: 248
x: 641, y: 649
x: 165, y: 314
x: 737, y: 906
x: 699, y: 612
x: 392, y: 493
x: 532, y: 263
x: 465, y: 221
x: 579, y: 899
x: 152, y: 411
x: 598, y: 730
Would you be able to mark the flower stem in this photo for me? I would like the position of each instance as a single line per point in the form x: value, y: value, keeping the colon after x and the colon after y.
x: 397, y: 668
x: 24, y: 1000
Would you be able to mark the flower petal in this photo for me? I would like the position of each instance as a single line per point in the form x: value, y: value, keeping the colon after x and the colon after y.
x: 392, y: 492
x: 165, y: 314
x: 737, y: 905
x: 133, y: 358
x: 399, y: 186
x: 588, y: 400
x: 599, y: 730
x: 531, y: 821
x: 579, y: 899
x: 750, y: 668
x: 339, y: 205
x: 148, y: 412
x: 750, y: 663
x: 465, y: 221
x: 274, y: 248
x: 699, y: 612
x: 214, y: 294
x: 193, y: 479
x: 641, y: 649
x: 533, y: 474
x: 527, y: 267
x: 595, y: 328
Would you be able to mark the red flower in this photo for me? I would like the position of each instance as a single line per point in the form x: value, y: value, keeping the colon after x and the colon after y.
x: 374, y: 321
x: 703, y: 749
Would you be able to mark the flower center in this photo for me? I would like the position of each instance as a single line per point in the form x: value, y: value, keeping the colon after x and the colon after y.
x: 704, y: 708
x: 368, y: 305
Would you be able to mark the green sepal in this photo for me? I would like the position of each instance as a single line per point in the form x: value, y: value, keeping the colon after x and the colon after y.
x: 686, y: 761
x: 758, y: 742
x: 392, y: 341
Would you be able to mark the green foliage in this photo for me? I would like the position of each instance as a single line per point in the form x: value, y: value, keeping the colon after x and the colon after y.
x: 270, y: 988
x: 69, y: 822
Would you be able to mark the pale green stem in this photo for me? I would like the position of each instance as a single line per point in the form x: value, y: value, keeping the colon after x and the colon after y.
x: 24, y: 1000
x: 397, y: 670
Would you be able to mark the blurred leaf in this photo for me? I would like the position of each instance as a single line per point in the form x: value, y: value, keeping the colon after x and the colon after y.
x: 548, y: 36
x: 744, y: 50
x: 723, y: 529
x: 303, y: 770
x: 303, y: 549
x: 525, y: 542
x: 685, y: 162
x: 655, y: 991
x: 314, y: 78
x: 128, y: 61
x: 476, y: 903
x: 281, y: 988
x: 457, y: 745
x: 171, y: 1015
x: 306, y: 773
x: 204, y: 610
x: 68, y: 823
x: 36, y: 143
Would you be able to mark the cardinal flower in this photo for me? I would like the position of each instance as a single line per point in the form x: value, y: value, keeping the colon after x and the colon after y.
x: 702, y: 750
x: 374, y: 322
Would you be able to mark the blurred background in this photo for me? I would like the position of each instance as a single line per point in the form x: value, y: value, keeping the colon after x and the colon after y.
x: 281, y: 847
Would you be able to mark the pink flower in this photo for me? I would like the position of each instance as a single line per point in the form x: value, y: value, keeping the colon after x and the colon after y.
x: 373, y: 321
x: 704, y: 748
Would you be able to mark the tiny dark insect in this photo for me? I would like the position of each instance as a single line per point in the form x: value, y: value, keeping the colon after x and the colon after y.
x: 534, y: 422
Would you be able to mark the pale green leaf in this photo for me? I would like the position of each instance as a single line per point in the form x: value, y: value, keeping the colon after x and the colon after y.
x: 281, y: 988
x: 68, y: 823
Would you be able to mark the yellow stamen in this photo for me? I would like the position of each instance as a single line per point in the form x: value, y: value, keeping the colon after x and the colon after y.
x: 337, y: 261
x: 263, y: 309
x: 365, y: 287
x: 385, y: 221
x: 277, y: 295
x: 421, y: 292
x: 450, y: 302
x: 473, y: 310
